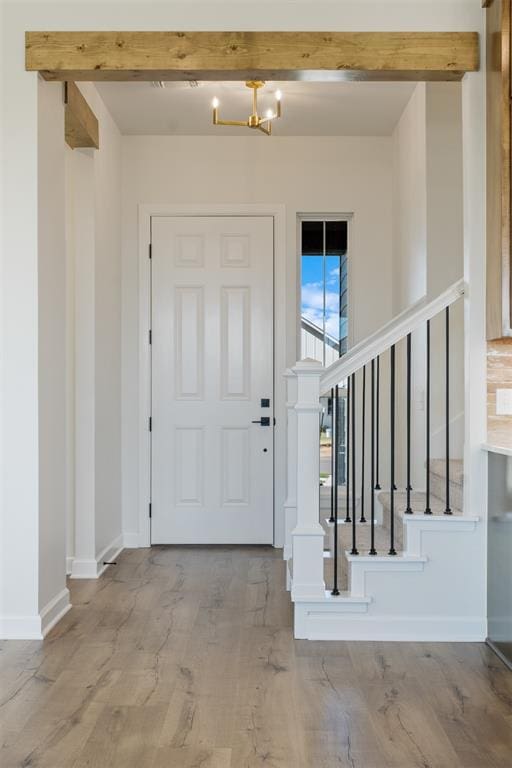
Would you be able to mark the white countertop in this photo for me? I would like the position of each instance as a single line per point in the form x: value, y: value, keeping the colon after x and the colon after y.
x: 497, y: 449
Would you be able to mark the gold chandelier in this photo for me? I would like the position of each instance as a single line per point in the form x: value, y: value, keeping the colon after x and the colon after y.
x: 263, y: 124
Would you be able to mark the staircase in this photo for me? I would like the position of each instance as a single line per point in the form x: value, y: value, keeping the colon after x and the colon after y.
x: 398, y: 575
x: 383, y: 518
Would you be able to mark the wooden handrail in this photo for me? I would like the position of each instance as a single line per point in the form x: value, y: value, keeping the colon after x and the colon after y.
x: 390, y: 333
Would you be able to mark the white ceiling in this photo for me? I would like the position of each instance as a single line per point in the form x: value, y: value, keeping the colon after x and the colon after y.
x: 309, y: 108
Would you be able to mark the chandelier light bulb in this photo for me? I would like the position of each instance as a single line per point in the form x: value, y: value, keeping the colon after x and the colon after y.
x: 215, y: 102
x: 269, y: 114
x: 279, y: 95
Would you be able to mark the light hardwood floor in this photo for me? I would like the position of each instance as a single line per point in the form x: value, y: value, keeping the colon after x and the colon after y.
x: 184, y: 658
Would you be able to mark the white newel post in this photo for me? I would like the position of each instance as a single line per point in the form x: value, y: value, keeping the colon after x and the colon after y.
x: 308, y: 534
x: 290, y: 505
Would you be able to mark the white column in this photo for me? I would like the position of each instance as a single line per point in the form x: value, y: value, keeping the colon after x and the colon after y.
x: 308, y: 534
x: 84, y: 563
x: 19, y: 383
x: 52, y: 590
x: 290, y: 505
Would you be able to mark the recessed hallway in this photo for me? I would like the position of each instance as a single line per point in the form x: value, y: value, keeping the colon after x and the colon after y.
x: 184, y: 657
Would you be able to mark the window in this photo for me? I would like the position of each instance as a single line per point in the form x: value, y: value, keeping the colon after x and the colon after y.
x: 324, y: 318
x: 324, y: 294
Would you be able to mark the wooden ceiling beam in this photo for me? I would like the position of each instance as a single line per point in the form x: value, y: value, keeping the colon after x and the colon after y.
x: 80, y: 123
x: 246, y: 55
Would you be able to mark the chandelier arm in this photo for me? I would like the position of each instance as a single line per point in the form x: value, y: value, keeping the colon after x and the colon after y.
x: 240, y: 123
x: 267, y: 119
x: 266, y: 131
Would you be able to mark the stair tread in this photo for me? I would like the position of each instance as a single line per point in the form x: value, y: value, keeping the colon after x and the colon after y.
x: 386, y: 557
x: 418, y: 498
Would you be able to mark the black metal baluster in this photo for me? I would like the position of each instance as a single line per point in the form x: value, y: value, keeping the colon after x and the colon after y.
x: 354, y: 454
x: 372, y: 551
x: 335, y: 590
x: 447, y: 510
x: 392, y: 486
x: 377, y: 423
x: 333, y: 456
x: 408, y: 510
x: 363, y: 438
x: 347, y: 452
x: 428, y: 511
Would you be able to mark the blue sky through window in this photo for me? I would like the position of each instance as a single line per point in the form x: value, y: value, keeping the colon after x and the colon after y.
x: 313, y: 292
x: 321, y: 285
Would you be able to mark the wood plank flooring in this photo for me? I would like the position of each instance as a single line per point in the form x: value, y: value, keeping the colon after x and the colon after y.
x: 184, y: 658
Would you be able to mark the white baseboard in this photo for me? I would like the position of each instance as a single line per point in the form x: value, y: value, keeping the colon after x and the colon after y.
x: 84, y: 569
x: 69, y: 565
x: 131, y: 540
x: 109, y: 554
x: 323, y: 622
x: 20, y: 628
x: 35, y: 627
x: 92, y: 569
x: 500, y: 629
x: 54, y: 611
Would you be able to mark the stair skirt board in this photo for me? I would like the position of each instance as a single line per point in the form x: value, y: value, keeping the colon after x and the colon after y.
x: 360, y: 565
x: 385, y: 608
x: 417, y: 525
x: 315, y: 621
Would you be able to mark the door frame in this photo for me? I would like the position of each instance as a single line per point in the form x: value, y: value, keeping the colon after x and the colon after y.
x: 278, y: 213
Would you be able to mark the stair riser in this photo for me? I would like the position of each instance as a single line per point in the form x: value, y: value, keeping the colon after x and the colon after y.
x: 399, y: 528
x: 438, y: 467
x: 438, y: 488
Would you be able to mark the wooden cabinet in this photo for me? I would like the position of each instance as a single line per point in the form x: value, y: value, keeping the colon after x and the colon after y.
x: 499, y: 272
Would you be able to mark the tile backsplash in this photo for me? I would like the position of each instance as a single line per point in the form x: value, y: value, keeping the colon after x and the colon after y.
x: 499, y: 376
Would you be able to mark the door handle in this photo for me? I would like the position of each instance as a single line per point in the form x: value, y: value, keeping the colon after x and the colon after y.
x: 264, y: 421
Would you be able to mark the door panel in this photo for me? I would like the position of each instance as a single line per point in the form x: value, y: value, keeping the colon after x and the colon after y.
x: 212, y: 363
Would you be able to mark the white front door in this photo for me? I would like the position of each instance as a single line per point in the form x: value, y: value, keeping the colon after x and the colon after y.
x: 212, y: 378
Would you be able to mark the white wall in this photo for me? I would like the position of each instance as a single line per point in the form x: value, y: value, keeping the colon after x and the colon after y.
x: 410, y: 267
x: 19, y: 382
x: 427, y: 258
x: 307, y: 175
x: 445, y: 249
x: 443, y: 111
x: 410, y: 203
